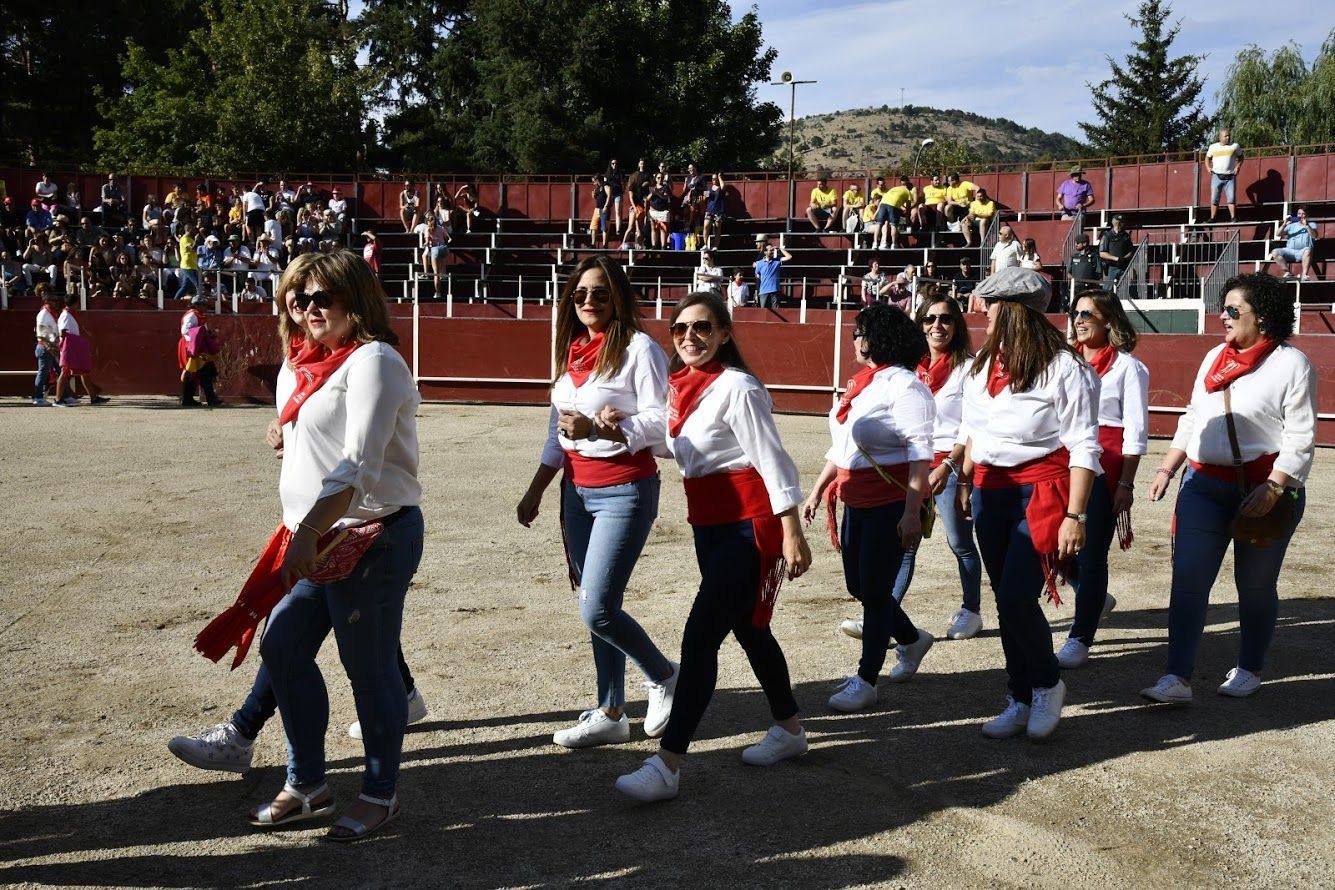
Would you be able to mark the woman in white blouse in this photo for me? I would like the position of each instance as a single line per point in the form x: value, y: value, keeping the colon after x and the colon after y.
x: 742, y: 497
x: 1105, y: 339
x: 1030, y: 429
x: 609, y: 491
x: 1271, y: 390
x: 880, y: 452
x: 349, y: 458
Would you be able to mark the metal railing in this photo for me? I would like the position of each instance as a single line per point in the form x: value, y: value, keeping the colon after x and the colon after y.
x: 989, y: 241
x: 1212, y: 285
x: 1133, y: 285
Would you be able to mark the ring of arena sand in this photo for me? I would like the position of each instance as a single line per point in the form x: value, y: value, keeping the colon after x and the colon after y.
x: 130, y: 526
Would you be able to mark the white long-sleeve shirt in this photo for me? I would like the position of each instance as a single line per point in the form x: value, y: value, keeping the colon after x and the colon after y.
x: 891, y: 419
x: 46, y: 328
x: 638, y: 390
x: 1060, y: 410
x: 732, y: 428
x: 1274, y: 410
x: 68, y: 324
x: 359, y: 430
x: 1124, y: 401
x: 949, y: 408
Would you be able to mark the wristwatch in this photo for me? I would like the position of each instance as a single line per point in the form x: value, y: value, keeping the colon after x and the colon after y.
x: 1078, y: 517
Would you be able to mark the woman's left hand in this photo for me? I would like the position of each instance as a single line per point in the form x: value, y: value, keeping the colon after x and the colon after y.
x: 938, y: 478
x: 1070, y: 538
x: 574, y: 425
x: 1260, y: 502
x: 797, y: 554
x: 910, y: 530
x: 299, y: 560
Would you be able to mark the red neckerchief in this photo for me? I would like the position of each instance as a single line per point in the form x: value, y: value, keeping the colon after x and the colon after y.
x: 313, y: 365
x: 934, y: 373
x: 1102, y: 361
x: 1232, y: 363
x: 998, y: 378
x: 685, y: 387
x: 583, y: 358
x: 856, y: 384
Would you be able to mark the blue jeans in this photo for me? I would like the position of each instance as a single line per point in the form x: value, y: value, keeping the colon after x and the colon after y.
x: 46, y: 366
x: 1088, y: 572
x: 1222, y: 187
x: 605, y: 531
x: 1204, y: 512
x: 959, y: 535
x: 873, y: 560
x: 365, y: 611
x: 1017, y: 580
x: 188, y: 278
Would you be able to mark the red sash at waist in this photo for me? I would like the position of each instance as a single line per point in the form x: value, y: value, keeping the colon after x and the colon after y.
x: 939, y: 458
x: 1113, y: 462
x: 730, y: 496
x: 1256, y: 471
x: 600, y: 472
x: 1051, y: 477
x: 1041, y: 469
x: 863, y: 488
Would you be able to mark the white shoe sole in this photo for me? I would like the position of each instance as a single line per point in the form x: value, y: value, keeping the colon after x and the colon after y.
x: 1238, y: 693
x: 1009, y: 733
x: 634, y: 793
x: 850, y: 707
x: 851, y: 630
x: 791, y: 755
x: 963, y: 635
x: 1163, y: 700
x: 186, y: 755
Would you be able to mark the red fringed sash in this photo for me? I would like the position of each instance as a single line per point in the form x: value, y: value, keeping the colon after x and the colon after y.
x: 862, y: 488
x: 1050, y: 476
x: 1112, y: 461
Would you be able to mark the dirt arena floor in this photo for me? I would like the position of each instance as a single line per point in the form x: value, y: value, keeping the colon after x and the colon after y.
x: 130, y: 526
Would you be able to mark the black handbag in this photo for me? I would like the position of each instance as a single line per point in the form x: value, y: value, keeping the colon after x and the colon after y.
x: 1259, y: 531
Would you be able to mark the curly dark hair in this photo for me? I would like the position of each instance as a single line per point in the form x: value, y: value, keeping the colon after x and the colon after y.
x: 1266, y: 295
x: 891, y: 337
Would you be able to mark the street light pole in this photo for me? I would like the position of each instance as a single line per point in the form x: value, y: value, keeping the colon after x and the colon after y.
x: 787, y: 79
x: 917, y: 154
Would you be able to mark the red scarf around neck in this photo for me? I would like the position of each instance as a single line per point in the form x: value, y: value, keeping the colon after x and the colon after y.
x: 1232, y: 363
x: 313, y: 365
x: 998, y: 378
x: 856, y: 384
x: 934, y: 373
x: 685, y: 387
x: 583, y: 358
x: 1102, y: 360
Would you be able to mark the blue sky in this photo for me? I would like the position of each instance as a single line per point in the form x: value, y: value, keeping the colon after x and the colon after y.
x: 1026, y: 61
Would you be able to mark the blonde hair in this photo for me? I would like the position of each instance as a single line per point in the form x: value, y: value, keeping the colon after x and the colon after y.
x: 347, y: 278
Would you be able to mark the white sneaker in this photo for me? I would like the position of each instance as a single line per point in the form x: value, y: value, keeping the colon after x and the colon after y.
x: 1109, y: 604
x: 1240, y: 683
x: 1045, y: 711
x: 1010, y: 722
x: 594, y: 728
x: 964, y: 624
x: 1171, y: 690
x: 219, y: 747
x: 910, y: 657
x: 778, y: 744
x: 41, y: 403
x: 652, y: 781
x: 660, y: 703
x: 1072, y: 654
x: 417, y: 712
x: 853, y: 694
x: 852, y: 628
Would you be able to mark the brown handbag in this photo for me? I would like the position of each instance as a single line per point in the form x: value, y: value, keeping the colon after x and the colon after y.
x: 1259, y: 531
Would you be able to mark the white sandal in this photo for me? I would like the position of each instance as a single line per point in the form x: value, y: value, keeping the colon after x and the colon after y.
x: 359, y: 830
x: 265, y: 817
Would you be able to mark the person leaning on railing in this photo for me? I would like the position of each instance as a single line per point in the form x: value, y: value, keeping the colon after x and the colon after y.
x: 1115, y: 251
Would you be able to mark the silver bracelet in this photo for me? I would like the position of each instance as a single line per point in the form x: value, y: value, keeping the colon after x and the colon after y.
x: 1129, y: 486
x: 1167, y: 472
x: 954, y: 467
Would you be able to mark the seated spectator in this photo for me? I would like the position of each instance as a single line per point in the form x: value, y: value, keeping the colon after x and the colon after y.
x: 875, y: 283
x: 39, y: 261
x: 148, y: 290
x: 252, y: 292
x: 274, y: 225
x: 408, y: 205
x: 900, y: 292
x: 854, y: 204
x: 236, y: 259
x: 177, y: 197
x: 338, y: 205
x: 113, y: 201
x: 331, y: 226
x: 739, y: 292
x: 982, y: 209
x: 152, y: 258
x: 1075, y: 196
x: 959, y: 195
x: 210, y: 254
x: 1115, y: 252
x: 894, y: 209
x: 73, y: 200
x: 75, y: 268
x: 1300, y: 238
x: 10, y: 217
x: 126, y: 278
x: 1007, y: 251
x: 709, y: 276
x: 38, y: 218
x: 1029, y: 258
x: 371, y: 251
x: 963, y: 285
x: 48, y: 193
x: 823, y: 208
x: 716, y: 208
x: 929, y: 272
x: 873, y: 205
x: 1083, y: 269
x: 932, y: 211
x: 469, y: 211
x: 88, y: 233
x: 152, y: 211
x: 660, y: 211
x: 265, y: 265
x: 283, y: 198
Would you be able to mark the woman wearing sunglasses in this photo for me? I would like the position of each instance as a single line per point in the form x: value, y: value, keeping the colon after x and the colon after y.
x: 742, y: 497
x: 1032, y: 450
x: 609, y: 490
x: 1269, y: 389
x: 880, y: 452
x: 1104, y: 338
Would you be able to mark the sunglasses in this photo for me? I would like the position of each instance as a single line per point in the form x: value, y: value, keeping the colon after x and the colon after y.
x: 600, y: 296
x: 1234, y: 311
x: 1086, y: 315
x: 319, y: 299
x: 944, y: 319
x: 683, y: 329
x: 859, y: 335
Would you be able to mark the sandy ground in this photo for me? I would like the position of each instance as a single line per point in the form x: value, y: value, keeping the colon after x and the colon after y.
x: 130, y: 526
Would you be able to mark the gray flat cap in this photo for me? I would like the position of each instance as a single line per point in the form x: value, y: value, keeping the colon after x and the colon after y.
x: 1018, y: 285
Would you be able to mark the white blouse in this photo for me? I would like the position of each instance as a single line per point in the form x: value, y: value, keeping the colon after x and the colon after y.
x: 638, y: 390
x: 950, y: 408
x: 68, y: 324
x: 1274, y: 410
x: 732, y: 428
x: 1124, y: 401
x: 891, y: 419
x: 1060, y: 410
x: 357, y: 431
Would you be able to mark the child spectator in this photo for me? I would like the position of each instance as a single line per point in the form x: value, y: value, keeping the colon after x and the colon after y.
x: 739, y: 292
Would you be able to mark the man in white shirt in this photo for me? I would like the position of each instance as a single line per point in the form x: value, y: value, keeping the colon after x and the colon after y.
x: 236, y: 259
x: 284, y: 198
x: 252, y: 292
x: 1223, y: 158
x: 265, y: 261
x: 709, y: 276
x: 48, y: 347
x: 338, y: 204
x: 1007, y: 251
x: 739, y: 292
x: 252, y: 202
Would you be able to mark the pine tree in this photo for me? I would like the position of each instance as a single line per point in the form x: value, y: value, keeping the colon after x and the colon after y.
x: 1151, y: 103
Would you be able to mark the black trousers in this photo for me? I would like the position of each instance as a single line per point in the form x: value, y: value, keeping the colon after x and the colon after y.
x: 873, y: 559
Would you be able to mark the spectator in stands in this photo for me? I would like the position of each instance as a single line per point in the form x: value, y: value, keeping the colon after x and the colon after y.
x: 152, y: 211
x: 39, y: 262
x: 73, y: 200
x: 1083, y: 269
x: 1300, y: 237
x: 659, y: 205
x: 767, y: 274
x: 252, y: 202
x: 900, y: 292
x: 266, y: 261
x: 101, y: 257
x: 371, y: 251
x: 1029, y: 258
x: 1223, y: 157
x: 75, y: 268
x: 433, y: 241
x: 283, y: 198
x: 854, y: 203
x: 616, y: 183
x: 338, y: 205
x: 716, y: 207
x: 468, y: 209
x: 1115, y: 250
x: 189, y: 260
x: 895, y: 206
x: 693, y: 196
x: 210, y: 254
x: 48, y: 344
x: 930, y: 273
x: 152, y: 257
x: 823, y: 208
x: 252, y: 292
x: 1007, y: 251
x: 236, y: 259
x: 38, y: 218
x: 126, y: 278
x: 10, y: 216
x: 875, y: 283
x: 1074, y: 196
x: 47, y: 193
x: 113, y: 201
x: 602, y: 206
x: 932, y: 210
x: 641, y: 181
x: 408, y: 203
x: 273, y: 226
x: 331, y: 228
x: 982, y: 210
x: 739, y: 292
x: 959, y: 195
x: 709, y: 276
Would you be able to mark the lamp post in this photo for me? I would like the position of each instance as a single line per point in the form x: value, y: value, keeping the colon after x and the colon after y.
x: 786, y: 79
x: 917, y: 154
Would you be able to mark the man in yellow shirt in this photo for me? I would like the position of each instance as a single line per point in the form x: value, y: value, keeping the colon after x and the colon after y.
x: 873, y: 202
x: 822, y: 212
x: 853, y: 204
x: 929, y: 213
x: 895, y: 206
x: 188, y: 273
x: 981, y: 211
x: 959, y: 195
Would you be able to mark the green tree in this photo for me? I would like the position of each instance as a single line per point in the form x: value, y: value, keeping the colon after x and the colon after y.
x: 263, y: 85
x: 1151, y: 103
x: 1279, y: 100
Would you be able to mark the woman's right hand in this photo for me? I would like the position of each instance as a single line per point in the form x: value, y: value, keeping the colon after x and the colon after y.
x: 273, y: 437
x: 1159, y: 487
x: 528, y: 508
x: 938, y: 478
x: 810, y: 507
x: 963, y: 502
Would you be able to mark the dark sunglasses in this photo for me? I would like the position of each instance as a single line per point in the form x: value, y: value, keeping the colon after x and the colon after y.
x: 1086, y: 315
x: 1234, y: 311
x: 320, y: 299
x: 944, y: 318
x: 682, y: 329
x: 599, y: 295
